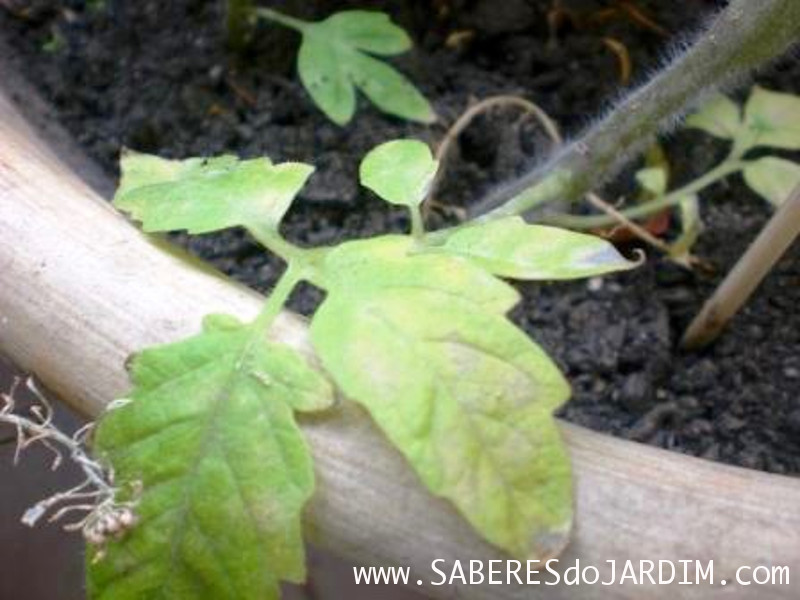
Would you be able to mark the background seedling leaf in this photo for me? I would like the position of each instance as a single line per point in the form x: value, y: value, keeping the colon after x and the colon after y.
x: 224, y: 469
x: 512, y: 248
x: 326, y: 78
x: 400, y: 171
x: 772, y: 178
x: 720, y: 116
x: 774, y: 118
x: 370, y: 31
x: 455, y: 386
x: 202, y: 195
x: 653, y: 180
x: 332, y: 62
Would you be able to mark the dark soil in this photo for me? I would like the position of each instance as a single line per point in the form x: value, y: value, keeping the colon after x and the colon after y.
x: 155, y: 76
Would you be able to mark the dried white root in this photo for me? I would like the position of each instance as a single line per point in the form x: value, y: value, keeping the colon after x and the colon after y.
x: 100, y: 516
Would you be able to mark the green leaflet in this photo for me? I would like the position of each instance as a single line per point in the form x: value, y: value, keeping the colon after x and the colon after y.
x: 202, y: 195
x: 774, y: 118
x: 400, y: 171
x: 333, y: 62
x: 225, y: 471
x: 772, y: 178
x: 770, y: 119
x: 397, y: 261
x: 512, y: 248
x: 720, y: 117
x: 467, y: 398
x: 653, y: 180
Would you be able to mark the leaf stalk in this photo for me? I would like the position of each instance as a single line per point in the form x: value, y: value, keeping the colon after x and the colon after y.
x: 285, y: 20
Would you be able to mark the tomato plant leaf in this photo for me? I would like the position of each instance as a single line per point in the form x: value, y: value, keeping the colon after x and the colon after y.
x: 455, y: 386
x: 396, y: 261
x: 371, y: 31
x: 512, y: 248
x: 772, y: 178
x: 720, y: 116
x: 400, y: 171
x: 774, y: 119
x: 333, y: 62
x: 202, y: 195
x: 326, y: 78
x: 209, y: 434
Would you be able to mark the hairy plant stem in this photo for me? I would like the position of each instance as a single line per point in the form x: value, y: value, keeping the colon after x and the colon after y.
x: 740, y: 38
x: 280, y: 18
x: 583, y: 222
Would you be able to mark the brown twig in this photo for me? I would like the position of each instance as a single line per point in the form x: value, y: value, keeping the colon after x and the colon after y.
x: 687, y: 261
x: 737, y: 287
x: 623, y: 56
x: 624, y: 221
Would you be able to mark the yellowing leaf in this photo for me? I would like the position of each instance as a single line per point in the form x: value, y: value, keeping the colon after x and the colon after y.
x: 396, y: 261
x: 512, y: 248
x: 772, y: 178
x: 774, y: 119
x: 400, y: 171
x: 332, y: 62
x: 202, y: 195
x: 464, y: 395
x: 720, y: 116
x: 225, y: 472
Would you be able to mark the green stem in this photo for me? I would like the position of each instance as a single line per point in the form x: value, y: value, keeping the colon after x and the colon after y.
x: 285, y: 20
x: 417, y: 223
x: 270, y: 239
x: 654, y: 206
x: 302, y: 261
x: 277, y: 298
x: 272, y: 308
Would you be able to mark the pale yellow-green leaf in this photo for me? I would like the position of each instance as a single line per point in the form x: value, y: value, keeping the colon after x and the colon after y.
x: 772, y: 178
x: 396, y: 261
x: 773, y: 119
x: 653, y: 179
x: 202, y: 195
x: 399, y: 171
x: 464, y: 395
x: 720, y: 116
x: 512, y: 248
